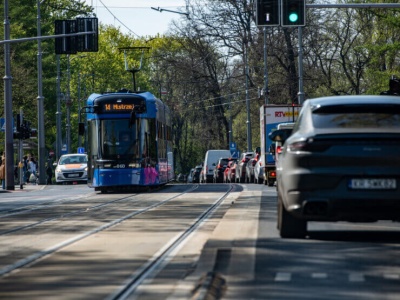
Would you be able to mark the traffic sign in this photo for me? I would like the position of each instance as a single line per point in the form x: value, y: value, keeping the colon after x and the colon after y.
x: 81, y: 150
x: 2, y: 124
x: 234, y: 153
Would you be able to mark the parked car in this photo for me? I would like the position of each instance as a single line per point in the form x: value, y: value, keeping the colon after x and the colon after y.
x: 181, y: 177
x: 228, y: 171
x: 340, y: 163
x: 196, y: 174
x: 249, y: 177
x: 240, y: 173
x: 231, y: 177
x: 259, y: 171
x: 210, y: 161
x: 71, y: 168
x: 219, y: 170
x: 190, y: 175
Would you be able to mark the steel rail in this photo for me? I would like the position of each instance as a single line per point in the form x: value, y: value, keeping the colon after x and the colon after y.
x: 160, y: 259
x: 41, y: 254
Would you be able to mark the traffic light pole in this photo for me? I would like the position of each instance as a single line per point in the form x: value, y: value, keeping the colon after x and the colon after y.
x: 9, y: 130
x: 300, y: 98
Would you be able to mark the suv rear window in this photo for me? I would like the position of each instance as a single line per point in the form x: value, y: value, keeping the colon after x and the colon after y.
x: 223, y: 161
x: 357, y: 116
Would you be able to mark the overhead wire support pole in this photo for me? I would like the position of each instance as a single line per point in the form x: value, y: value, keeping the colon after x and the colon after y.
x: 9, y: 157
x: 265, y: 67
x: 40, y: 99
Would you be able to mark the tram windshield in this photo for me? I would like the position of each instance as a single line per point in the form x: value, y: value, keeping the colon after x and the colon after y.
x: 119, y: 139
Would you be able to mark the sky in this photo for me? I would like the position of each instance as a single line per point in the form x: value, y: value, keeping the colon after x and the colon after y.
x: 136, y: 16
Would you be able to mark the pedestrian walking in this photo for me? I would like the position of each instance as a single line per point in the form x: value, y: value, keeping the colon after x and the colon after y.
x: 3, y: 171
x: 25, y: 172
x: 32, y: 170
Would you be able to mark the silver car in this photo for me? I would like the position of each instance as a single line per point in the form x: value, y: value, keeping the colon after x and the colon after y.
x: 340, y: 163
x: 71, y: 168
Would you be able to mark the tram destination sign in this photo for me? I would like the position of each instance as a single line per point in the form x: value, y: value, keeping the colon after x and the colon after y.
x: 118, y: 107
x: 121, y: 106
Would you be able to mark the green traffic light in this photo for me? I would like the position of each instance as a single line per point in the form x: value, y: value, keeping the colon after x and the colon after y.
x: 293, y: 17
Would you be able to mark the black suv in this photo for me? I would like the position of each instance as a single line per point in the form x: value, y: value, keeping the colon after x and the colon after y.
x: 219, y: 170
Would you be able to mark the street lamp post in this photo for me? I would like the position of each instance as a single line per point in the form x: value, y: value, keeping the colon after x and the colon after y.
x: 40, y: 100
x: 9, y: 161
x: 68, y: 104
x: 58, y: 113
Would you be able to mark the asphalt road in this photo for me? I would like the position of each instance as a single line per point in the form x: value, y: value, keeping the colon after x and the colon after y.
x: 235, y: 254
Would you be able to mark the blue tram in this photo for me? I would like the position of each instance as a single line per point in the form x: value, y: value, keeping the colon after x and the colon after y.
x: 129, y: 141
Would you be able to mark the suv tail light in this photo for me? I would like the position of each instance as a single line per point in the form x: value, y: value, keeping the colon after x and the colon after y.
x: 308, y: 145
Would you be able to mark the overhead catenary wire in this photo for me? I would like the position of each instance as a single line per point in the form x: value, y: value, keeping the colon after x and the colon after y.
x: 130, y: 30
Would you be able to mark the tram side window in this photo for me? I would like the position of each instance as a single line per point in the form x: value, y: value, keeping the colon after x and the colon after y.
x: 92, y: 138
x: 148, y: 142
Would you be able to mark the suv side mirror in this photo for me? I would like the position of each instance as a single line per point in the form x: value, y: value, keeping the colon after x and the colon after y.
x: 280, y: 135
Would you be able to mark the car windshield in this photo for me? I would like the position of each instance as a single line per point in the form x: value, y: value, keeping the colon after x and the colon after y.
x: 67, y: 160
x: 357, y: 116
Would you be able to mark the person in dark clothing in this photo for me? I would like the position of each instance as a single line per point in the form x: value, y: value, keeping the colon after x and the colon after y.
x: 49, y: 170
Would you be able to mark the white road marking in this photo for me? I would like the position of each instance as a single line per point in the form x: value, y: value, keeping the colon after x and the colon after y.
x: 281, y: 276
x: 319, y: 275
x: 356, y: 277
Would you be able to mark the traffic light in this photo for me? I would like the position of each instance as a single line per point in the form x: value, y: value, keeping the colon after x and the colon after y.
x: 293, y: 13
x: 267, y: 12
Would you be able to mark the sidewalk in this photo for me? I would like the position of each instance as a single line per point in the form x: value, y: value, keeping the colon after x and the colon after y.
x: 26, y: 188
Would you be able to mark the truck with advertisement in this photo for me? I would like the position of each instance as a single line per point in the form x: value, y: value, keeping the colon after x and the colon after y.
x: 270, y: 117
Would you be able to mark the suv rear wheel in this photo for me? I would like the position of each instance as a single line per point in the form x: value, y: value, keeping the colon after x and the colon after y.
x: 288, y: 225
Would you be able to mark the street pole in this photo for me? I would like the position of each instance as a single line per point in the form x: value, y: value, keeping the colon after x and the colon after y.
x: 68, y: 104
x: 79, y: 107
x: 9, y: 184
x: 58, y: 113
x: 265, y: 67
x: 300, y: 98
x: 20, y: 155
x: 40, y: 100
x: 249, y: 146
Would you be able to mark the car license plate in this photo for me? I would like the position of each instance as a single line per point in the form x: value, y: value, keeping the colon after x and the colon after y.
x: 373, y: 184
x: 73, y: 175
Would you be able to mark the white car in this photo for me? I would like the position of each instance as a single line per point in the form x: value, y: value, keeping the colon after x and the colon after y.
x: 72, y: 168
x: 259, y: 171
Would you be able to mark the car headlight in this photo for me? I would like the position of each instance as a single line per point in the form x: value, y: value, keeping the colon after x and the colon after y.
x: 58, y: 170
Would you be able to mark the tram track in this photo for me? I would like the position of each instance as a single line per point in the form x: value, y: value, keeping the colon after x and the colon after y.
x: 161, y: 258
x: 135, y: 252
x: 33, y: 257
